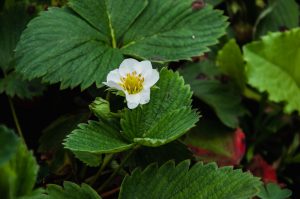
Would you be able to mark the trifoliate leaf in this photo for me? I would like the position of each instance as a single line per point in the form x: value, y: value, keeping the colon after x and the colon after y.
x: 279, y: 15
x: 273, y: 191
x: 90, y: 37
x: 230, y: 60
x: 166, y: 117
x: 96, y: 137
x: 18, y: 175
x: 181, y: 181
x: 15, y: 85
x: 273, y: 66
x: 8, y: 144
x: 71, y: 190
x: 222, y: 97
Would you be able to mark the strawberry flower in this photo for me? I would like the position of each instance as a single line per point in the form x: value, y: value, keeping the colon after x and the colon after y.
x: 135, y: 79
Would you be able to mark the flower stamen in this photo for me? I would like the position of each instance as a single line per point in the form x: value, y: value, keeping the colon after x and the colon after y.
x: 132, y: 82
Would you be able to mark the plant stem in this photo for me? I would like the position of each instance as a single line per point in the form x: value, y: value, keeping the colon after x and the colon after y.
x: 116, y: 171
x: 94, y: 178
x: 108, y: 193
x: 13, y: 111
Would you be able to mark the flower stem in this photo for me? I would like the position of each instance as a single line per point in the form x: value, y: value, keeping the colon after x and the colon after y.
x: 117, y: 170
x: 13, y: 111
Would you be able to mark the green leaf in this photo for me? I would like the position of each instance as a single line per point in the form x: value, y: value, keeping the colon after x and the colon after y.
x: 90, y: 159
x: 15, y: 85
x: 273, y: 191
x: 166, y: 117
x: 12, y: 22
x: 96, y: 137
x: 181, y: 181
x: 223, y: 98
x: 279, y: 14
x: 214, y: 2
x: 90, y: 37
x: 175, y: 32
x: 71, y: 190
x: 273, y: 66
x: 8, y: 144
x: 18, y: 176
x: 230, y: 61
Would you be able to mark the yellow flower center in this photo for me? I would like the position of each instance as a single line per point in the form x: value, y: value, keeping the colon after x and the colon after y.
x: 132, y: 83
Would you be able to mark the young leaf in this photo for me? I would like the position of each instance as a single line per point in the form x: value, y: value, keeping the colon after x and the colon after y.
x: 96, y: 137
x: 230, y: 60
x: 273, y: 191
x: 91, y: 37
x: 18, y: 175
x: 71, y: 190
x: 166, y: 117
x: 8, y: 144
x: 181, y: 181
x: 273, y: 66
x: 225, y: 100
x: 280, y: 14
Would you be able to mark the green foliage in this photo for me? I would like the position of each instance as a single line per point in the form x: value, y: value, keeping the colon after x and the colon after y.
x: 71, y: 190
x: 90, y: 159
x: 91, y: 37
x: 15, y: 85
x: 18, y: 175
x: 279, y: 14
x: 273, y: 191
x: 212, y: 136
x: 8, y: 144
x: 230, y: 60
x: 96, y: 137
x: 199, y: 181
x: 225, y: 100
x: 166, y: 117
x: 100, y: 108
x: 273, y: 66
x: 13, y: 20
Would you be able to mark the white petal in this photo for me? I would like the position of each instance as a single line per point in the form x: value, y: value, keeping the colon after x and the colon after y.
x: 114, y: 76
x: 145, y: 96
x: 133, y: 97
x: 112, y: 84
x: 127, y: 66
x: 151, y: 79
x: 132, y: 105
x: 145, y: 68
